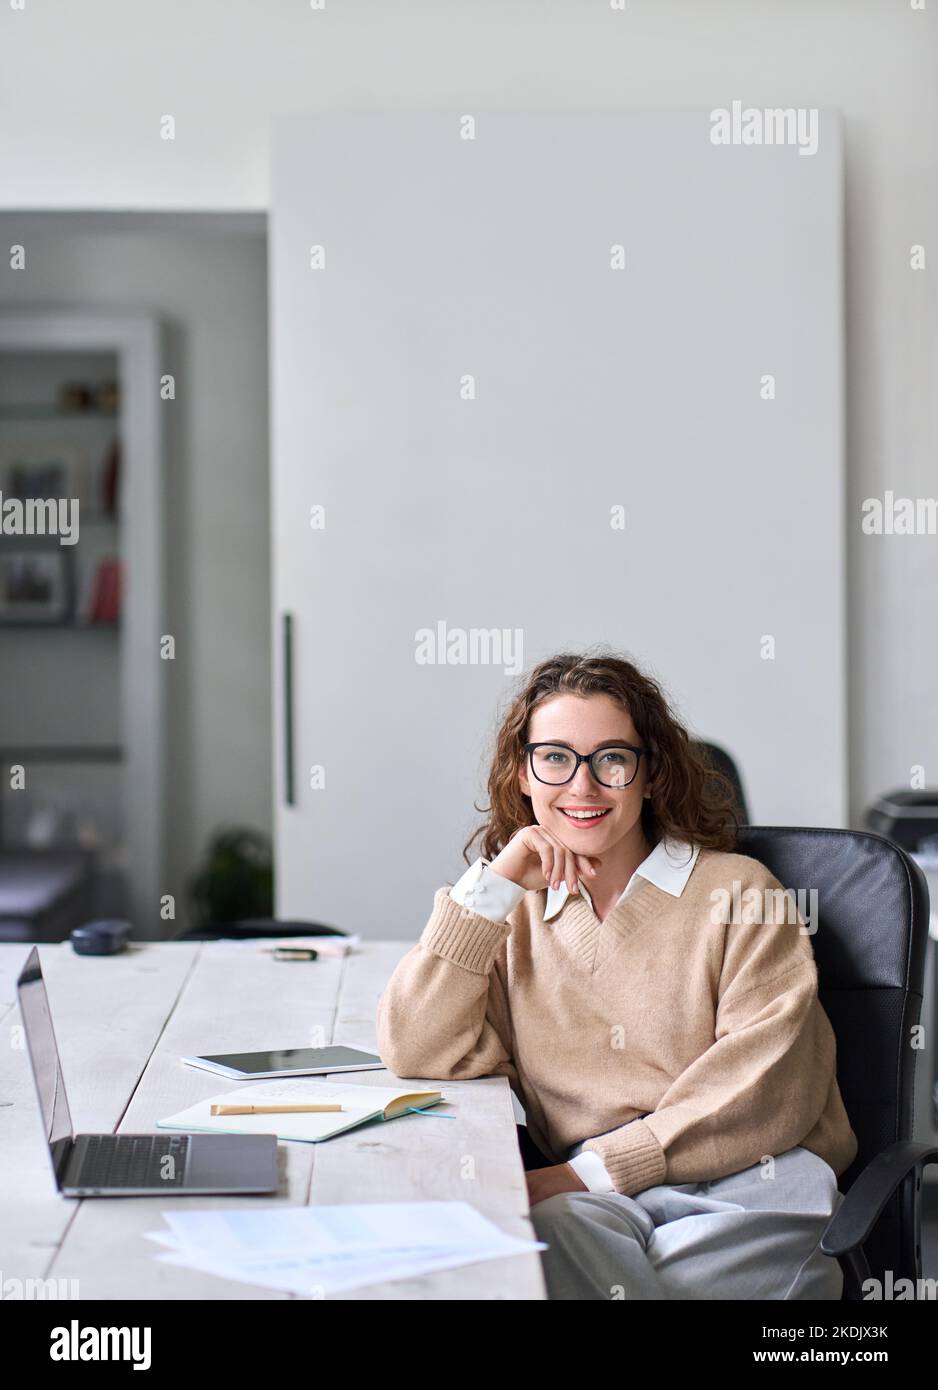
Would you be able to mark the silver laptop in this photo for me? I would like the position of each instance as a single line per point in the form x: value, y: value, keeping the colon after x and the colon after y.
x: 131, y: 1165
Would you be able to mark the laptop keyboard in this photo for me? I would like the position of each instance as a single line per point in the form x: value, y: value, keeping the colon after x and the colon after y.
x: 134, y: 1160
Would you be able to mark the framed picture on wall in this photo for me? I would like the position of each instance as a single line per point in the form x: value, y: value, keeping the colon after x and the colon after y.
x: 31, y: 469
x: 35, y: 584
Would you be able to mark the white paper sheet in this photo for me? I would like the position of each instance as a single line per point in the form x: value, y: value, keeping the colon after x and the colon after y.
x: 317, y: 1251
x: 314, y: 1278
x: 326, y: 1230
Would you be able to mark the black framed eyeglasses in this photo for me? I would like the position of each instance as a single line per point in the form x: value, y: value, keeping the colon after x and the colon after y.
x: 616, y: 765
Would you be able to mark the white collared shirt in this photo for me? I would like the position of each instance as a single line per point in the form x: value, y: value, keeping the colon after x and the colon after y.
x: 484, y: 890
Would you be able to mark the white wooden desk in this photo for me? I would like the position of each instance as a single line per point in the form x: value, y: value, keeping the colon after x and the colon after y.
x: 122, y: 1024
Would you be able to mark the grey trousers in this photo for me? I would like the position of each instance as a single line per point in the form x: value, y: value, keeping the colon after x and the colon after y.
x: 752, y: 1235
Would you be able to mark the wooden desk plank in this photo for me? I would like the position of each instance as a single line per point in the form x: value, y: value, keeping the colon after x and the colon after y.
x: 107, y: 1013
x: 473, y: 1157
x: 235, y: 998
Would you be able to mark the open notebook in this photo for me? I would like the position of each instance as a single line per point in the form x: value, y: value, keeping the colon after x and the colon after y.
x: 359, y: 1105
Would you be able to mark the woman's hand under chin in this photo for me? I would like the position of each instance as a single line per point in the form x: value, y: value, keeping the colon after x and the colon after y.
x: 535, y: 857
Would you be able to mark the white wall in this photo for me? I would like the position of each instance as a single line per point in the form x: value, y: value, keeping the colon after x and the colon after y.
x: 90, y: 138
x: 594, y: 389
x: 207, y: 278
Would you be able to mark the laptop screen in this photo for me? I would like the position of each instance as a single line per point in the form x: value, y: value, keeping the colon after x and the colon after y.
x: 43, y: 1053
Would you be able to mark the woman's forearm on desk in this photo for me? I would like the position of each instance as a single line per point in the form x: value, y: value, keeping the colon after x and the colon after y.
x: 444, y: 1011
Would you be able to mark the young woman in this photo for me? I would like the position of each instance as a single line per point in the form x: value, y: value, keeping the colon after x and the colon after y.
x: 685, y: 1129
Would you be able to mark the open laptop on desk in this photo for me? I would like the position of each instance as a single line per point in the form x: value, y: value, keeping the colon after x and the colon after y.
x: 131, y: 1165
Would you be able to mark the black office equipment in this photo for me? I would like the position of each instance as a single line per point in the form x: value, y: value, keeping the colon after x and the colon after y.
x: 246, y: 928
x: 103, y: 938
x: 908, y: 818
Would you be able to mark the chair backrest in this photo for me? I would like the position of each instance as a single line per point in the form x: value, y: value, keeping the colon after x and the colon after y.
x: 724, y: 762
x: 869, y: 946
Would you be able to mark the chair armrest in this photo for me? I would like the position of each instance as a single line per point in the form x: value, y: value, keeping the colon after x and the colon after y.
x: 862, y: 1205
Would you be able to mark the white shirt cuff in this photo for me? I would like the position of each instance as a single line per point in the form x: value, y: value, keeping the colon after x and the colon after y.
x: 590, y: 1169
x: 487, y: 892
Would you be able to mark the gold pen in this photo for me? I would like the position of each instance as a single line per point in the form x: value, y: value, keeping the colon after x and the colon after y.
x: 270, y: 1109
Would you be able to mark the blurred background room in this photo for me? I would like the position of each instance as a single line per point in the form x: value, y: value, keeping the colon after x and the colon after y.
x: 380, y: 341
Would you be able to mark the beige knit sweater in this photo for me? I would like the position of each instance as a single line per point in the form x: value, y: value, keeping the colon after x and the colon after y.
x: 682, y: 1048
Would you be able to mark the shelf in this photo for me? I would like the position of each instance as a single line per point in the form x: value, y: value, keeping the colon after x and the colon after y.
x: 87, y: 516
x: 34, y: 626
x: 69, y: 753
x: 54, y: 412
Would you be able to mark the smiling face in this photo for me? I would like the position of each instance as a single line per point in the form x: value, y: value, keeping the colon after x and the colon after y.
x: 585, y: 723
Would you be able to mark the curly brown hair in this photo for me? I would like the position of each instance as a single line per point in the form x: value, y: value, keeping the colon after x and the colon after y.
x: 690, y: 799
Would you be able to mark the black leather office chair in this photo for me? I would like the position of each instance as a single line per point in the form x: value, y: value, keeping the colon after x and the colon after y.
x: 870, y: 951
x: 723, y: 762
